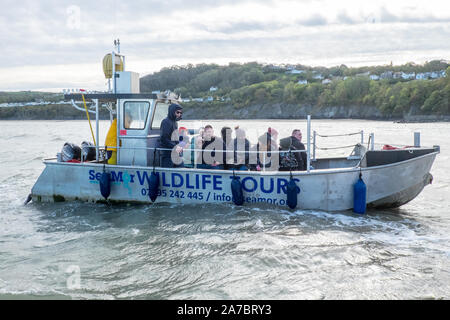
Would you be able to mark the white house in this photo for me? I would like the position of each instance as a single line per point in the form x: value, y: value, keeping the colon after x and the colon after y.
x: 213, y: 89
x: 318, y: 76
x: 374, y: 77
x: 302, y: 82
x: 397, y: 75
x: 434, y: 75
x: 326, y: 81
x: 364, y: 74
x: 387, y: 75
x: 295, y: 71
x: 408, y: 76
x: 210, y: 98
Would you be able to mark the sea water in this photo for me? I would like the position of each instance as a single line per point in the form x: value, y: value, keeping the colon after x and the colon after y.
x: 97, y: 251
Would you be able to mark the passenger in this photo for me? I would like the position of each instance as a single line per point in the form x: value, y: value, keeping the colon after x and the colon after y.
x: 127, y: 120
x: 169, y: 138
x: 265, y: 158
x: 294, y: 160
x: 227, y: 148
x: 185, y: 141
x: 241, y: 147
x: 111, y: 138
x: 111, y: 143
x: 298, y: 145
x: 210, y: 144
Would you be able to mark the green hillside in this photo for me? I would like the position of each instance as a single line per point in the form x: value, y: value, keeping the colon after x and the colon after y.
x: 243, y: 85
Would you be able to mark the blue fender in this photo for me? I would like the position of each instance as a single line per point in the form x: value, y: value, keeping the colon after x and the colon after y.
x: 153, y: 186
x: 236, y: 189
x: 292, y: 190
x: 105, y: 184
x: 359, y: 196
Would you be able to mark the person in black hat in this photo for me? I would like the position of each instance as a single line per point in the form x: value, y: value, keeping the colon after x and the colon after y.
x: 169, y: 138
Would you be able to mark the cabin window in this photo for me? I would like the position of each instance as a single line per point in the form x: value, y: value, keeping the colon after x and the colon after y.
x: 135, y: 114
x: 160, y: 114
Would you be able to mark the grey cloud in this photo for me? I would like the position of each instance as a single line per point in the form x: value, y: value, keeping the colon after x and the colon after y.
x: 313, y: 21
x: 238, y: 27
x: 344, y: 18
x: 383, y: 15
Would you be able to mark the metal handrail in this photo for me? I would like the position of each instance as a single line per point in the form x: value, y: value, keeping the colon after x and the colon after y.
x: 315, y: 134
x: 202, y: 150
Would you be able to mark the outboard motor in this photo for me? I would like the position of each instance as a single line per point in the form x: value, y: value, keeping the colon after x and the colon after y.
x: 70, y: 152
x: 87, y: 151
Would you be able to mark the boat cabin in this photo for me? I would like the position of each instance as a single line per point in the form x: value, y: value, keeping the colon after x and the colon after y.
x: 139, y: 117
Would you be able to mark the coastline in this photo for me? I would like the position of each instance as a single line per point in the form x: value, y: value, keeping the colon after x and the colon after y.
x: 211, y: 111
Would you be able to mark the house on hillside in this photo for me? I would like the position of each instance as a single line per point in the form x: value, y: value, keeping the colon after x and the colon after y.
x: 302, y: 82
x: 295, y: 71
x: 397, y: 75
x: 326, y: 81
x: 364, y: 74
x: 213, y: 89
x: 421, y: 76
x: 434, y: 75
x: 408, y: 76
x: 387, y: 75
x: 318, y: 76
x: 374, y: 77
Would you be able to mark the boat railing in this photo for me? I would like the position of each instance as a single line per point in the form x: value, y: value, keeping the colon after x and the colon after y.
x: 360, y: 133
x: 266, y: 154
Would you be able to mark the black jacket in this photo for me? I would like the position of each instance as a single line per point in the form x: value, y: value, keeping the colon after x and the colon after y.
x: 168, y: 126
x: 300, y: 156
x: 242, y: 155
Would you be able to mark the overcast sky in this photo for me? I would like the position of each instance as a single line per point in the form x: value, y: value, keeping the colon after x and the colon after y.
x: 54, y: 44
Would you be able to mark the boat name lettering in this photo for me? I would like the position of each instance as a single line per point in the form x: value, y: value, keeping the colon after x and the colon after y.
x: 267, y: 185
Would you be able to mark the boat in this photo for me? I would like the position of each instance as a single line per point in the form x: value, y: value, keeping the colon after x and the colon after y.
x: 391, y: 176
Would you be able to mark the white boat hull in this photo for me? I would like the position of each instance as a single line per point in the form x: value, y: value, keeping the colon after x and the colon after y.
x: 326, y: 189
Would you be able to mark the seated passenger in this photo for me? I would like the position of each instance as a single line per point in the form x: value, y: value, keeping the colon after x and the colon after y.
x: 265, y: 158
x: 294, y: 160
x: 227, y: 156
x: 298, y: 145
x: 185, y: 143
x: 211, y: 143
x: 184, y: 137
x: 241, y: 147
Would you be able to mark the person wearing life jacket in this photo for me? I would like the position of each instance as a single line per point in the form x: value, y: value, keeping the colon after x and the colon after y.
x: 111, y: 143
x: 169, y: 137
x: 111, y: 138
